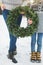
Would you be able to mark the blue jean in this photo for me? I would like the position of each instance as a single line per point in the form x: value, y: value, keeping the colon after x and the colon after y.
x: 12, y: 38
x: 39, y: 42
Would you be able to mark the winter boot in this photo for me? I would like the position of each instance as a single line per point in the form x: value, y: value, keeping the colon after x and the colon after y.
x: 14, y: 60
x: 11, y: 56
x: 38, y: 57
x: 33, y: 56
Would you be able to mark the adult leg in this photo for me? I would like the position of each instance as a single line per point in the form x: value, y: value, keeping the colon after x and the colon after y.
x: 12, y: 39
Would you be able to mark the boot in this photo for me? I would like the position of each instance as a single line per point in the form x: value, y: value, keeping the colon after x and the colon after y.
x: 11, y: 56
x: 33, y: 56
x: 14, y: 60
x: 38, y: 57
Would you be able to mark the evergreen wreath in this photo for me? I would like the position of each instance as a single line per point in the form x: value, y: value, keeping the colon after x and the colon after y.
x: 15, y: 29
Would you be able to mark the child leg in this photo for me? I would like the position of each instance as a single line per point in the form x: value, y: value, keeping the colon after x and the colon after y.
x: 39, y: 46
x: 33, y: 42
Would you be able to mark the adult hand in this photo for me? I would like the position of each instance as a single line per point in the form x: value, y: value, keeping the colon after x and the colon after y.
x: 2, y: 7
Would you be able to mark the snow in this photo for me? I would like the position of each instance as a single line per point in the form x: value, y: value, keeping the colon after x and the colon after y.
x: 23, y: 47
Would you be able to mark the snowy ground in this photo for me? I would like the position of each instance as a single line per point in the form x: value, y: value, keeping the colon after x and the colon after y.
x: 23, y: 47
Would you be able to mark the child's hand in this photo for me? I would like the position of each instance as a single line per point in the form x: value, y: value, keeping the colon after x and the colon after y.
x: 2, y: 7
x: 29, y: 21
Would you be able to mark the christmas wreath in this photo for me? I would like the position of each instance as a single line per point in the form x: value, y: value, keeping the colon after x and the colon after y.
x: 12, y: 21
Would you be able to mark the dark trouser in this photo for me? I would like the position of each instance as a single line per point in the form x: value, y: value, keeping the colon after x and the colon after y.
x: 12, y: 38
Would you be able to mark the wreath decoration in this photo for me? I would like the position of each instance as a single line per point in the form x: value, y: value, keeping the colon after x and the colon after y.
x: 12, y: 21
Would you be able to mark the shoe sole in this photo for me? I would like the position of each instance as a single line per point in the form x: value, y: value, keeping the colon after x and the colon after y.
x: 38, y: 61
x: 33, y: 61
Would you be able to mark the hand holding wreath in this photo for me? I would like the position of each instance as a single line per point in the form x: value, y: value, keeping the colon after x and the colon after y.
x: 30, y: 21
